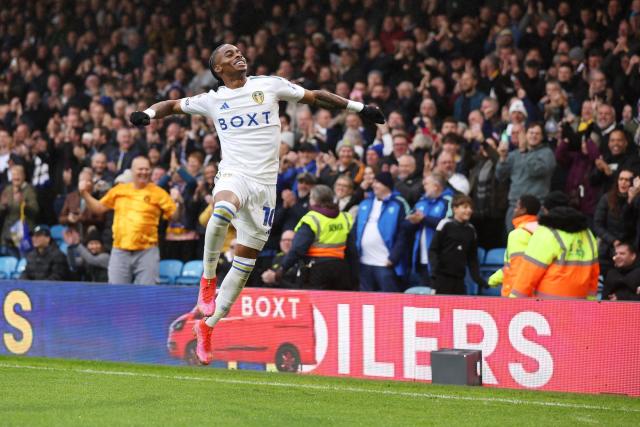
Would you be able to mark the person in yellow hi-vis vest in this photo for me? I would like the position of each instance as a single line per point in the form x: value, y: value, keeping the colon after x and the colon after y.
x: 561, y: 260
x: 525, y: 222
x: 325, y: 245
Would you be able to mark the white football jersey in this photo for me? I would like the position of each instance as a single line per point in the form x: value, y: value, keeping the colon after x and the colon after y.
x: 248, y: 124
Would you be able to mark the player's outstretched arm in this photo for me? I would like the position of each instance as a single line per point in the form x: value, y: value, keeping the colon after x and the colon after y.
x: 330, y: 101
x: 156, y: 111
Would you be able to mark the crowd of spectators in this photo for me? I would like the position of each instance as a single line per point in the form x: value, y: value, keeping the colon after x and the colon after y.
x: 492, y: 99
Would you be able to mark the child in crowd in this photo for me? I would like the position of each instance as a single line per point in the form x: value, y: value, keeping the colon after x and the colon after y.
x: 454, y: 248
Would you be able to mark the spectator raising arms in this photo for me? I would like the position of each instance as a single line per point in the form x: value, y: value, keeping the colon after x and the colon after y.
x: 138, y: 207
x: 529, y: 167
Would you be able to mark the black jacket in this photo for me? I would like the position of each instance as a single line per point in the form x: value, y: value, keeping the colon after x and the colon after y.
x: 410, y: 188
x: 50, y: 264
x: 610, y: 226
x: 453, y: 248
x: 623, y: 282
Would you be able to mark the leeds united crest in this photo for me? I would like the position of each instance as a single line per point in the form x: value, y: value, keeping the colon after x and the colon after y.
x: 258, y: 96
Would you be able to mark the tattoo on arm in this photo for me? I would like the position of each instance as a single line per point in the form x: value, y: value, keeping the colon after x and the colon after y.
x: 324, y: 99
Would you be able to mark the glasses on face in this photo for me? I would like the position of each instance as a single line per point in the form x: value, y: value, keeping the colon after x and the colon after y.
x: 286, y: 240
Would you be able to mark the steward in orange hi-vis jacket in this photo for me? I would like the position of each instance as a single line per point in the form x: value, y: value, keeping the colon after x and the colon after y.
x: 561, y: 260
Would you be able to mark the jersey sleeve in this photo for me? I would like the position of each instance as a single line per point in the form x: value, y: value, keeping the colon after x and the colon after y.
x: 109, y: 199
x: 287, y: 91
x: 198, y: 104
x: 167, y: 205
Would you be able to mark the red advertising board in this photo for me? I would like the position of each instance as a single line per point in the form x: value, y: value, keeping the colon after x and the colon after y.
x: 573, y: 346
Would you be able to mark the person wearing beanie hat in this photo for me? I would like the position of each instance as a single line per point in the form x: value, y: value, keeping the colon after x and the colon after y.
x: 377, y: 148
x: 346, y: 163
x: 382, y: 259
x: 386, y: 179
x: 90, y: 262
x: 373, y: 156
x: 555, y: 199
x: 517, y: 106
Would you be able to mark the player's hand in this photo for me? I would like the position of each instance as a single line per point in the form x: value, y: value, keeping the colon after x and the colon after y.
x: 373, y: 114
x: 139, y: 118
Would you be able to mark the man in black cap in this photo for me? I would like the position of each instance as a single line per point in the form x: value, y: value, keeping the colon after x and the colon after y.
x: 382, y: 260
x: 307, y: 154
x: 45, y: 261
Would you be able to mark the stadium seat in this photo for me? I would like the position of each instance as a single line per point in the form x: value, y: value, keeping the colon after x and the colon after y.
x: 470, y: 285
x: 495, y: 257
x: 420, y: 290
x: 19, y: 268
x: 57, y: 232
x: 63, y: 247
x: 492, y: 292
x: 7, y: 266
x: 493, y: 261
x: 191, y: 273
x: 482, y: 252
x: 169, y: 270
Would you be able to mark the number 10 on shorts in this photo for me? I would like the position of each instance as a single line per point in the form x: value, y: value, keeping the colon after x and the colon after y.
x: 268, y: 216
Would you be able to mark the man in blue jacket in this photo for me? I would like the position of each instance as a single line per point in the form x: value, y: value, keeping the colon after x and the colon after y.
x: 377, y: 226
x: 420, y: 226
x: 469, y: 99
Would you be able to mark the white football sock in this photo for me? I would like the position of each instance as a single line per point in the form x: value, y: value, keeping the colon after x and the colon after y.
x: 223, y: 213
x: 231, y: 286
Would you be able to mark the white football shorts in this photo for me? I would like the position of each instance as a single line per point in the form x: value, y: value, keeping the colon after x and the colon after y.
x: 257, y: 207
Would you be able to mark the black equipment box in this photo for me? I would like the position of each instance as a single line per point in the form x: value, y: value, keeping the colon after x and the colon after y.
x: 456, y: 366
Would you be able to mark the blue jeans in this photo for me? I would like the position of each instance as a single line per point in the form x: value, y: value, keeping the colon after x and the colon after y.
x: 374, y: 278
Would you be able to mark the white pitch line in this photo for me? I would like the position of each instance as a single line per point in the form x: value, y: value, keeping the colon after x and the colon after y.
x: 327, y: 388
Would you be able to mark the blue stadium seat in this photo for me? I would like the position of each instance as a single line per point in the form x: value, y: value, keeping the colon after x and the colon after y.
x: 470, y: 285
x: 420, y: 290
x: 191, y: 273
x: 57, y: 232
x: 19, y: 268
x: 493, y: 261
x: 7, y: 266
x: 495, y: 257
x: 482, y: 252
x: 63, y: 247
x: 492, y: 292
x: 169, y: 270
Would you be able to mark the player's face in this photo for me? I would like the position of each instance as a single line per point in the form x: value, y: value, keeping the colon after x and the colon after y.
x: 230, y: 61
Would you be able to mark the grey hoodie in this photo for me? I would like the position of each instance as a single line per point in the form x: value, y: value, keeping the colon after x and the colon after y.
x: 530, y: 172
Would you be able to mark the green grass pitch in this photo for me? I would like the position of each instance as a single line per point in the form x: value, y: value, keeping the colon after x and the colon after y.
x: 53, y: 392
